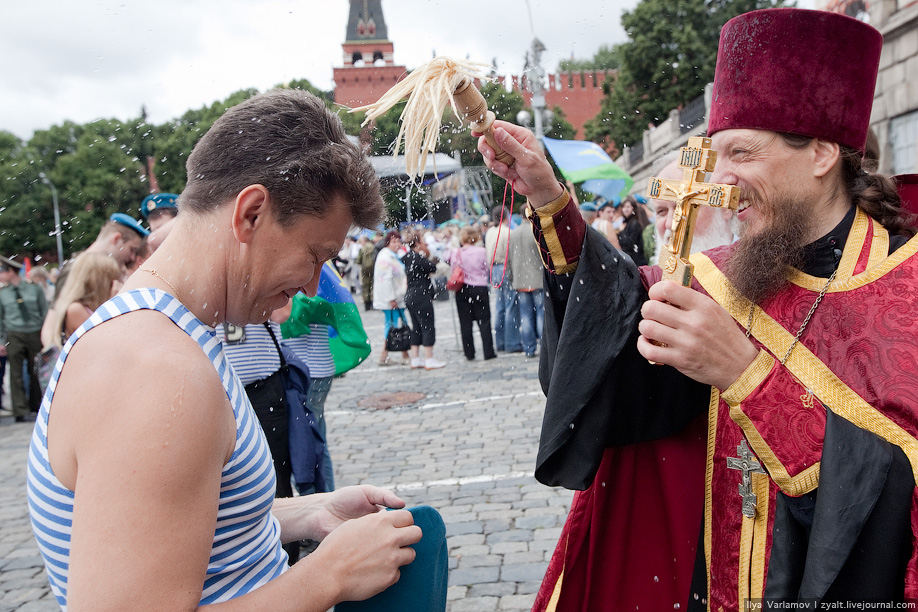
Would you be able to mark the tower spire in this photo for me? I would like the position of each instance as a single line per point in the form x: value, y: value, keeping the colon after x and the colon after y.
x: 369, y: 68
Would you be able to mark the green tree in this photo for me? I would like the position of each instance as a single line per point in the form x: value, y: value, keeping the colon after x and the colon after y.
x: 560, y: 127
x: 174, y: 140
x: 606, y: 58
x: 666, y: 63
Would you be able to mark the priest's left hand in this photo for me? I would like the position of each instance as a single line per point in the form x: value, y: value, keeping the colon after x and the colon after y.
x: 699, y: 337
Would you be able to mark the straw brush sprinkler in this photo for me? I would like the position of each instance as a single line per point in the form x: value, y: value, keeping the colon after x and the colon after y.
x: 429, y: 88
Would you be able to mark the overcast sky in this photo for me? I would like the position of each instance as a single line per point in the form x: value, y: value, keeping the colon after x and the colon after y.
x: 88, y: 59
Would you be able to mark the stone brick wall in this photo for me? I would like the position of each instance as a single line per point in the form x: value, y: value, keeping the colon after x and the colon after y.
x: 897, y: 82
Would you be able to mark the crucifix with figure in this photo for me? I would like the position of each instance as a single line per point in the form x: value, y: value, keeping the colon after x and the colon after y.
x: 689, y: 194
x: 747, y: 465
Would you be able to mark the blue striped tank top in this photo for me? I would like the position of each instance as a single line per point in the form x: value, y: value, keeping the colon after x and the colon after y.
x: 246, y: 551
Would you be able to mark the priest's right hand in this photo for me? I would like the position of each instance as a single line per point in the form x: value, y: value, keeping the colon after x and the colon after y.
x: 695, y: 335
x: 531, y: 175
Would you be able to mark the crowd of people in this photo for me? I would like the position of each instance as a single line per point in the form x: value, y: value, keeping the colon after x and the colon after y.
x: 751, y: 436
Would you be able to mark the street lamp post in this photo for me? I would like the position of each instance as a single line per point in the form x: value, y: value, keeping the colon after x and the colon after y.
x: 57, y: 218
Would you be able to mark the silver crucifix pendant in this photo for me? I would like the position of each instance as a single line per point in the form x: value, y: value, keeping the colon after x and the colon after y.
x: 747, y: 464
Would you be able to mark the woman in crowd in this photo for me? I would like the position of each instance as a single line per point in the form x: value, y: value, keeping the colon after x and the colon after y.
x: 93, y: 279
x: 390, y: 284
x: 419, y: 301
x: 631, y: 237
x: 472, y: 303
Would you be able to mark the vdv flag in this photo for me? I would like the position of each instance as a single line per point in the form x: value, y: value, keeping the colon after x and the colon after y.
x: 582, y: 160
x: 332, y: 306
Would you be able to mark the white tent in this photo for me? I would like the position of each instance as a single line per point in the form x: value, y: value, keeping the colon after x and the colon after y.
x: 387, y: 166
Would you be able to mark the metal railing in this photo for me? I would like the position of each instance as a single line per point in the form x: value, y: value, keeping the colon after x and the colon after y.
x: 692, y: 115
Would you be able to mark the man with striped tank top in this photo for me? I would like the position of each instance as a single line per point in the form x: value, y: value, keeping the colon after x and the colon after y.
x: 158, y: 493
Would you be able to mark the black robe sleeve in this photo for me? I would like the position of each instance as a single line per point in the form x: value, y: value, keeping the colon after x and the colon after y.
x: 600, y: 391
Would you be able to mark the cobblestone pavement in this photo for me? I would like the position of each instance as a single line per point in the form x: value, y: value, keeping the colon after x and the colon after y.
x: 467, y: 448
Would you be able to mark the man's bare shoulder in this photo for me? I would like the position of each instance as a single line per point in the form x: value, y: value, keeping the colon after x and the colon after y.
x: 140, y: 376
x: 145, y: 344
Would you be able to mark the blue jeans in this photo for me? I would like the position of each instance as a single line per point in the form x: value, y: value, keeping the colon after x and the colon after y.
x: 315, y: 401
x: 506, y: 314
x: 531, y: 317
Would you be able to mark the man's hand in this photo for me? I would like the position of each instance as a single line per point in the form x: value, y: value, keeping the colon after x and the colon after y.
x: 393, y: 304
x: 531, y: 174
x: 351, y: 503
x: 700, y: 338
x: 363, y: 556
x: 2, y: 350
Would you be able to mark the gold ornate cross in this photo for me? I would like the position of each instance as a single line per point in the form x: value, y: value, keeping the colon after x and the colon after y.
x: 689, y: 194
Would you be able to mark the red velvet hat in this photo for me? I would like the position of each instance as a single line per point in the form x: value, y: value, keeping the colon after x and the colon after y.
x: 799, y: 71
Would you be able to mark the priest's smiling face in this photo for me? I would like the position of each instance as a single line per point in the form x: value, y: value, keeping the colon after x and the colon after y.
x: 767, y: 171
x: 776, y: 207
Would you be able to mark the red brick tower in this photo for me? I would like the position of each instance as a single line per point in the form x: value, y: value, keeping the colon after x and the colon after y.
x: 369, y: 70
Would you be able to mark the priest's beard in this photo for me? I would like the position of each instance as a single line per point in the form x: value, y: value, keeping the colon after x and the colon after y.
x: 759, y: 263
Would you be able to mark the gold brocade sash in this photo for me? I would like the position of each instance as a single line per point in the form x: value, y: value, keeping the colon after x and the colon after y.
x: 802, y: 363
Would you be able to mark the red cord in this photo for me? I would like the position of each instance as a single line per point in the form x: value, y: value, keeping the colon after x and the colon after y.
x: 503, y: 206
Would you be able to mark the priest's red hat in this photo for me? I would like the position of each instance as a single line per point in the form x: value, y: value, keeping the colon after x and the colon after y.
x: 799, y: 71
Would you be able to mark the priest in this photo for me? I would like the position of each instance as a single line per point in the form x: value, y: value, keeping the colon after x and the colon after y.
x: 751, y: 436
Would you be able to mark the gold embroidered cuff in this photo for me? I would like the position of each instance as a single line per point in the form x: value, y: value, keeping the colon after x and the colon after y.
x: 749, y: 380
x: 553, y: 207
x: 546, y: 216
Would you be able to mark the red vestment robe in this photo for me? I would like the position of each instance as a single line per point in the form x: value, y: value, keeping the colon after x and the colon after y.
x: 866, y: 323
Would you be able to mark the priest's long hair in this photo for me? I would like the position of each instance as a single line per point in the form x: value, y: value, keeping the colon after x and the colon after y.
x: 875, y: 193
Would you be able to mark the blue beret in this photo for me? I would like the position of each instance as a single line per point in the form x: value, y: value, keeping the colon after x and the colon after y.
x: 128, y: 221
x: 158, y: 200
x: 588, y: 206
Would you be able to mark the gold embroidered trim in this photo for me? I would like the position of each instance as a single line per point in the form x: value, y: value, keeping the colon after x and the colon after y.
x: 555, y: 594
x: 856, y: 237
x: 804, y: 365
x: 804, y: 482
x: 761, y: 488
x: 553, y: 207
x: 871, y: 274
x: 745, y: 557
x: 713, y: 406
x: 550, y: 232
x: 879, y: 247
x: 749, y: 380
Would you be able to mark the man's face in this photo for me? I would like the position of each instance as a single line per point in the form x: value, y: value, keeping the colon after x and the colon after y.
x: 778, y: 189
x: 766, y: 170
x: 124, y: 250
x: 712, y: 225
x: 286, y: 260
x: 159, y: 217
x: 607, y: 212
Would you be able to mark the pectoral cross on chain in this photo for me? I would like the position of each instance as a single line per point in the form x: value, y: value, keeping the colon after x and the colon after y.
x: 747, y: 464
x: 696, y: 159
